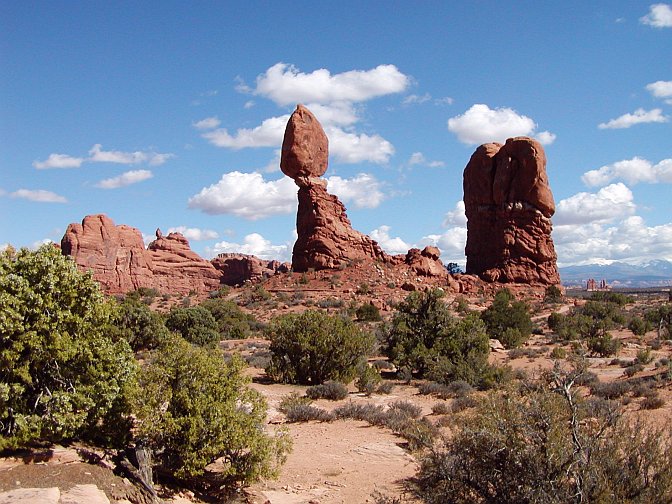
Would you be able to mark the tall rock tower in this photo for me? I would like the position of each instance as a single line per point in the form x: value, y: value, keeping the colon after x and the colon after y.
x: 509, y: 205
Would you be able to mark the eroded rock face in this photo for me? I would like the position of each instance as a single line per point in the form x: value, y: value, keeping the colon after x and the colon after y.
x: 115, y: 254
x: 325, y: 236
x: 508, y: 204
x: 117, y: 257
x: 179, y: 269
x: 236, y: 269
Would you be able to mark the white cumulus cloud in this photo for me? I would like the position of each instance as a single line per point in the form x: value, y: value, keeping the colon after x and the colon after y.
x: 659, y: 16
x: 451, y: 243
x: 247, y: 195
x: 38, y: 195
x: 59, y: 161
x: 481, y: 124
x: 195, y: 234
x: 609, y: 203
x: 125, y: 179
x: 363, y: 190
x: 286, y: 85
x: 356, y: 148
x: 639, y: 116
x: 661, y: 89
x: 253, y: 244
x: 268, y: 134
x: 207, y: 123
x: 390, y: 245
x: 633, y: 171
x: 546, y: 137
x: 456, y: 217
x: 628, y: 239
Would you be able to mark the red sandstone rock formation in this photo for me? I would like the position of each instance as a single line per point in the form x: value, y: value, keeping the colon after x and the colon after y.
x: 236, y: 269
x: 325, y: 235
x: 117, y: 257
x: 509, y: 204
x: 178, y: 269
x: 426, y: 262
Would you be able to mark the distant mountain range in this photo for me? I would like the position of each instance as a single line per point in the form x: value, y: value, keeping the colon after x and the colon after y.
x: 617, y: 274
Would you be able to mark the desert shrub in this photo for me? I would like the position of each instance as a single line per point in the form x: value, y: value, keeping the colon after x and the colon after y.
x: 424, y: 336
x: 604, y: 345
x: 463, y: 403
x: 405, y: 408
x: 558, y: 353
x: 508, y: 320
x: 137, y: 324
x: 553, y: 294
x: 441, y: 408
x: 306, y: 413
x: 385, y: 388
x: 643, y: 356
x: 194, y: 408
x: 368, y: 379
x: 639, y: 326
x: 232, y: 322
x: 289, y: 401
x: 313, y: 347
x: 371, y: 413
x: 363, y: 289
x: 383, y: 365
x: 555, y: 319
x: 195, y: 324
x: 330, y: 303
x: 332, y: 390
x: 616, y: 298
x: 440, y: 390
x: 62, y: 376
x: 661, y: 319
x: 633, y: 370
x: 610, y: 390
x: 368, y: 312
x: 453, y: 268
x: 541, y: 443
x: 652, y: 401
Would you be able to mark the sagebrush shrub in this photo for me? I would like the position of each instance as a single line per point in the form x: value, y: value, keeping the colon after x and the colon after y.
x: 332, y: 390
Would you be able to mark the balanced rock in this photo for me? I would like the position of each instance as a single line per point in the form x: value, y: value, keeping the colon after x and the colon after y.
x: 305, y: 147
x: 326, y: 239
x: 118, y: 260
x: 508, y: 203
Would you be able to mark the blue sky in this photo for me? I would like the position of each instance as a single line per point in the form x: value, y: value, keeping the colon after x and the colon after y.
x: 171, y: 114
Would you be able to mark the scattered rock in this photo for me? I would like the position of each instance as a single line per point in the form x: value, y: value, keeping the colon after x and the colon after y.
x: 426, y: 262
x: 509, y: 204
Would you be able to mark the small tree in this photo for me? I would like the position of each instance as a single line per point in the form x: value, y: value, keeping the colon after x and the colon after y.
x: 61, y: 376
x: 140, y: 326
x: 508, y: 320
x: 313, y: 347
x: 193, y: 409
x: 424, y: 336
x: 232, y: 322
x: 195, y: 324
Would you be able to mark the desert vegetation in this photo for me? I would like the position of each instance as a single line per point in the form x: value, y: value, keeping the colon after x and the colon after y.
x: 575, y: 398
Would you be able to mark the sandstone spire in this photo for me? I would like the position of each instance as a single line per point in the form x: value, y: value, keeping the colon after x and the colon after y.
x: 509, y: 204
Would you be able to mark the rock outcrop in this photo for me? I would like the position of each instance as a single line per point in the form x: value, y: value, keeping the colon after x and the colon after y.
x: 114, y: 254
x: 509, y: 204
x: 178, y: 269
x: 117, y: 257
x: 236, y: 269
x: 426, y: 262
x: 326, y: 238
